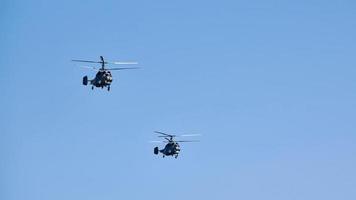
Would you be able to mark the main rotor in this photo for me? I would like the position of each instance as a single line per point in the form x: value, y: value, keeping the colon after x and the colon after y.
x: 170, y: 137
x: 102, y: 62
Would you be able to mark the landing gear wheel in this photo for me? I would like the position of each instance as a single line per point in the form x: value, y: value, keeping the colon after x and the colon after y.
x: 176, y: 156
x: 108, y: 88
x: 92, y: 87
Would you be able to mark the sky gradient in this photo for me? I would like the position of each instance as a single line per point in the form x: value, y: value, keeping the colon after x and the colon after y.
x: 270, y: 85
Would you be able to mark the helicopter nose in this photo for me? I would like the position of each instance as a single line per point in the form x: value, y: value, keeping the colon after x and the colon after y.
x: 109, y: 79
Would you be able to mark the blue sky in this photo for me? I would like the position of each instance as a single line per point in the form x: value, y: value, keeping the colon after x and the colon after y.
x: 270, y: 85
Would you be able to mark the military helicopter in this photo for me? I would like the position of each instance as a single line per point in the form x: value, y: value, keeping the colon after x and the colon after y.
x: 103, y: 77
x: 172, y: 147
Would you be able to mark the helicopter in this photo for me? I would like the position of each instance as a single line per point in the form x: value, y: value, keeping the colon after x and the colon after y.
x: 172, y: 147
x: 103, y: 77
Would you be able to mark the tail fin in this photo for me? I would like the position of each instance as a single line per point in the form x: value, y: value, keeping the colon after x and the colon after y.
x: 85, y: 80
x: 155, y: 150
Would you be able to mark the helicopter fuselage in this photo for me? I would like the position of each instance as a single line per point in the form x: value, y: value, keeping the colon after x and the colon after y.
x: 102, y: 79
x: 171, y: 149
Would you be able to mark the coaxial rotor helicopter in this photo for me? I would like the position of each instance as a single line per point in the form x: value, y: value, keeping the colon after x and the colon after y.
x: 103, y: 77
x: 172, y: 147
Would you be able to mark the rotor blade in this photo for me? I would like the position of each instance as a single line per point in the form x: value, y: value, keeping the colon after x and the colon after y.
x: 190, y: 135
x: 156, y: 141
x: 122, y: 68
x: 187, y: 141
x: 164, y: 134
x: 122, y: 63
x: 87, y: 61
x: 87, y: 67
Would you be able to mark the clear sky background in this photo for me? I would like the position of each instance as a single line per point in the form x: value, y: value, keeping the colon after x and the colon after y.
x: 270, y: 85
